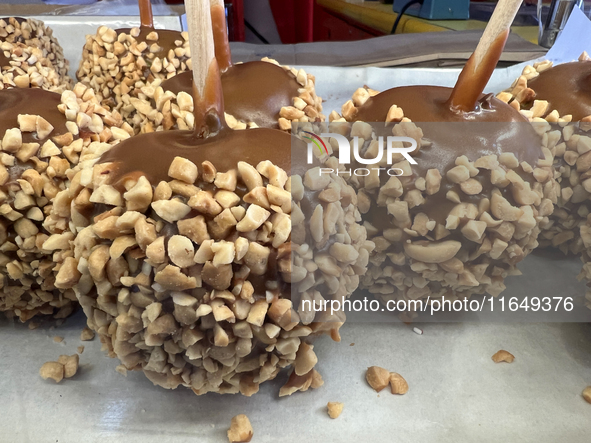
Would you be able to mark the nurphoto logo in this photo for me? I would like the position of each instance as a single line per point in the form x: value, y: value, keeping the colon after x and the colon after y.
x: 391, y: 146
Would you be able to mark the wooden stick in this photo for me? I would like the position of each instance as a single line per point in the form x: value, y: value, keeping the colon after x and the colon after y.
x: 146, y: 17
x: 208, y: 98
x: 481, y: 64
x: 220, y: 34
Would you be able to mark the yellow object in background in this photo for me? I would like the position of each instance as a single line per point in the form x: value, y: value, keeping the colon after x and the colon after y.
x: 381, y: 17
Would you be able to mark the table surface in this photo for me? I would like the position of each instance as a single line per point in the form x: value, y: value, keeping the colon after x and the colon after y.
x: 457, y: 394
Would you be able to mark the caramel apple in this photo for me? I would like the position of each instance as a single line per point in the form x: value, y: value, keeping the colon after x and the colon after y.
x: 193, y: 261
x: 556, y: 93
x: 44, y: 134
x: 117, y: 63
x: 256, y: 94
x: 561, y: 96
x: 31, y: 57
x: 458, y: 221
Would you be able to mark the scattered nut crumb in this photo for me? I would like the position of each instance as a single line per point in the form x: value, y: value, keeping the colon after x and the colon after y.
x: 87, y: 334
x: 80, y: 349
x: 122, y: 370
x: 33, y: 325
x: 335, y: 409
x: 352, y: 344
x: 398, y: 384
x: 503, y: 356
x: 240, y: 430
x: 587, y: 394
x: 378, y: 378
x: 58, y: 339
x: 70, y: 363
x: 53, y: 370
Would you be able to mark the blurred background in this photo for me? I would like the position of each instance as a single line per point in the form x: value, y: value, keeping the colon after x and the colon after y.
x: 300, y: 21
x: 410, y: 33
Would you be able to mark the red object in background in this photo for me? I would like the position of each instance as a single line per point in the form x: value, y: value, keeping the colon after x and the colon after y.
x: 294, y: 19
x: 332, y: 26
x: 235, y: 20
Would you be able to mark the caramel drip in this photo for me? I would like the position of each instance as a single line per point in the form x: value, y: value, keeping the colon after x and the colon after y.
x: 253, y: 91
x: 182, y: 82
x: 146, y: 18
x: 209, y: 107
x: 566, y: 87
x: 166, y: 39
x: 220, y: 37
x: 429, y: 104
x: 17, y: 101
x: 475, y: 76
x: 32, y: 101
x: 151, y: 154
x: 257, y: 91
x: 4, y: 61
x: 493, y: 128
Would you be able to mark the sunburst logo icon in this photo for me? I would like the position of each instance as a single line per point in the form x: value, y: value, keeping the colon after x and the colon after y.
x: 315, y: 140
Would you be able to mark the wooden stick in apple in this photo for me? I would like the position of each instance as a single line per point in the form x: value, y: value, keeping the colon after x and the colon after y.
x: 220, y: 34
x: 208, y: 98
x: 146, y: 17
x: 481, y: 64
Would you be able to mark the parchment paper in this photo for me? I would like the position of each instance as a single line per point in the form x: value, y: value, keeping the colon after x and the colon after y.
x: 457, y: 394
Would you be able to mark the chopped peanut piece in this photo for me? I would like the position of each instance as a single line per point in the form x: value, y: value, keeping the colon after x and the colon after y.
x: 70, y: 363
x: 378, y: 378
x: 240, y: 429
x: 502, y: 355
x: 53, y: 370
x: 183, y: 169
x: 398, y: 384
x: 335, y: 409
x: 87, y: 334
